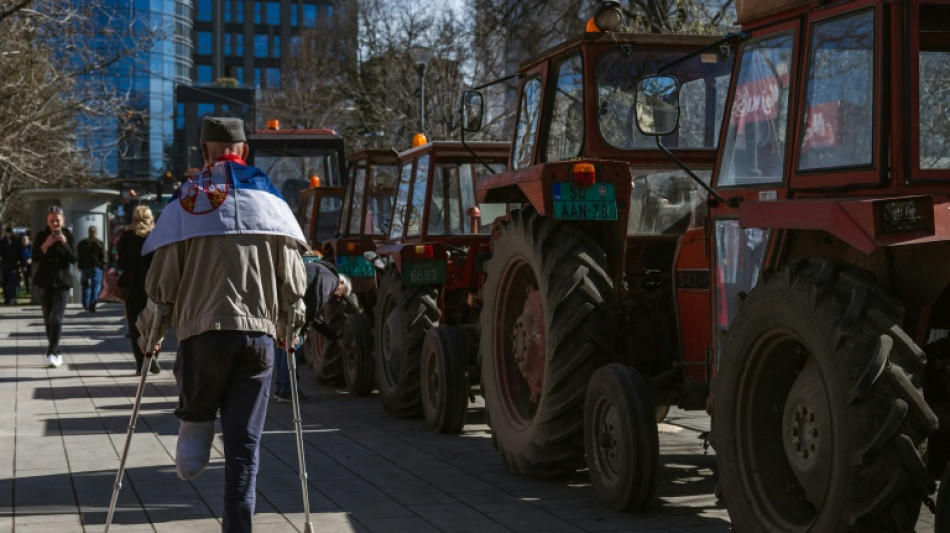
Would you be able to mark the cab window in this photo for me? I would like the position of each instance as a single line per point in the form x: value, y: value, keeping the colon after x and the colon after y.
x: 356, y: 209
x: 566, y: 129
x: 402, y: 197
x: 839, y: 95
x: 754, y: 149
x: 417, y: 205
x: 934, y: 60
x: 526, y: 128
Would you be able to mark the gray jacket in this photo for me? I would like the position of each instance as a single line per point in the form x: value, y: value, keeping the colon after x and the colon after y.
x: 239, y: 282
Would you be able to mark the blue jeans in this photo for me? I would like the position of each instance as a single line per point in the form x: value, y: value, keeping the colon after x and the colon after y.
x: 230, y: 371
x: 91, y: 285
x: 282, y: 370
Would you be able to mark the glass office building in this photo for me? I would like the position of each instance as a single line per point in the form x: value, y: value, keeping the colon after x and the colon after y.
x: 246, y: 39
x: 137, y: 143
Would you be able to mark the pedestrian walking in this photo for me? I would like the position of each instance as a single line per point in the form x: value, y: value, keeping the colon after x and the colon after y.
x: 26, y: 261
x: 91, y: 253
x: 10, y: 265
x: 54, y: 278
x: 134, y: 267
x: 228, y: 276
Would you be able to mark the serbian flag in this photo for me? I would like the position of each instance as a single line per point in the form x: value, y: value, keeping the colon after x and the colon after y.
x: 227, y: 198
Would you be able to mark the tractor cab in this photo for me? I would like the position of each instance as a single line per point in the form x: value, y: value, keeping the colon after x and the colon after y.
x: 296, y: 159
x: 367, y: 208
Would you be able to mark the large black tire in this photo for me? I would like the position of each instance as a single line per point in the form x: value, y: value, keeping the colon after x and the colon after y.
x: 444, y: 382
x: 325, y: 356
x: 820, y: 423
x: 359, y: 368
x: 620, y: 437
x: 402, y: 317
x: 546, y: 325
x: 942, y: 522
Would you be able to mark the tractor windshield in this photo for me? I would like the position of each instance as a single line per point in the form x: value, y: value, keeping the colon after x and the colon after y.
x: 704, y: 82
x: 378, y: 201
x: 934, y: 107
x: 453, y: 197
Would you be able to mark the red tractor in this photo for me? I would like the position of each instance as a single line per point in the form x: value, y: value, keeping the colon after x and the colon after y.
x: 792, y: 280
x: 430, y: 276
x: 367, y: 207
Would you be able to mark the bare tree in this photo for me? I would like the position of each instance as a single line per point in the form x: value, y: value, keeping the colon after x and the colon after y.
x: 48, y: 50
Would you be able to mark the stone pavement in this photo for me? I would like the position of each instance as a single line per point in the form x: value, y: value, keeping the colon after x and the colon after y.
x: 62, y: 430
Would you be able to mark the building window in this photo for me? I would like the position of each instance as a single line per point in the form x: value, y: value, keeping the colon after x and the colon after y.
x: 330, y: 11
x: 239, y: 11
x: 273, y: 13
x: 260, y: 46
x: 204, y: 10
x: 273, y: 78
x: 227, y: 10
x: 276, y: 50
x: 257, y: 78
x: 204, y: 73
x: 294, y: 8
x: 239, y: 44
x: 204, y: 43
x: 239, y: 74
x: 309, y: 15
x: 180, y: 116
x: 227, y: 44
x: 257, y: 12
x: 294, y: 44
x: 205, y: 110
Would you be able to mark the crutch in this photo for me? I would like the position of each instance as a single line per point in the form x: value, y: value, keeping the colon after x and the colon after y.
x: 289, y: 339
x: 117, y: 486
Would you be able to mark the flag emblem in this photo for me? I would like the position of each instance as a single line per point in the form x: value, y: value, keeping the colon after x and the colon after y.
x: 204, y: 192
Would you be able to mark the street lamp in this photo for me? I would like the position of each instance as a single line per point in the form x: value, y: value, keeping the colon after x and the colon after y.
x: 422, y: 55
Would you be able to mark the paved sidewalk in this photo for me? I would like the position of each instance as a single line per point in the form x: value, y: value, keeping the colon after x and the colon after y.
x: 61, y: 432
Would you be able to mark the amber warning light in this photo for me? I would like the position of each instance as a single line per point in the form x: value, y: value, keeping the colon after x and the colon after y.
x: 273, y: 124
x: 583, y: 175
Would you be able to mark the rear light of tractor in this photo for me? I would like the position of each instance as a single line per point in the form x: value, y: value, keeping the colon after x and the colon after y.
x: 423, y: 251
x: 352, y: 248
x: 583, y: 175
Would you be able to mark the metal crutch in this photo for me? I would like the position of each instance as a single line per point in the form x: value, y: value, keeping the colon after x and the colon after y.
x: 289, y: 339
x: 117, y: 486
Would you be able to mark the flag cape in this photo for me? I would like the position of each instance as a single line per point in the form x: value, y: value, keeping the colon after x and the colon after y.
x: 227, y: 198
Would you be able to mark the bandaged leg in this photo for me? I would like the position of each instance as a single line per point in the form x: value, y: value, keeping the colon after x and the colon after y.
x: 194, y: 448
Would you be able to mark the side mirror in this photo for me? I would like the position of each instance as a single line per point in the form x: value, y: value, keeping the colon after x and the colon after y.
x: 473, y: 109
x: 657, y: 103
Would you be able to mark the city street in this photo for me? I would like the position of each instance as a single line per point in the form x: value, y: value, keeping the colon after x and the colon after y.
x: 63, y: 429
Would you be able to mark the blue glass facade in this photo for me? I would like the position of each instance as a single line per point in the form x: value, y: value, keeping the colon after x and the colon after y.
x: 138, y: 143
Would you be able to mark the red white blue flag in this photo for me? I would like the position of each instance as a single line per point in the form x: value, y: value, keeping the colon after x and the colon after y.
x: 226, y: 198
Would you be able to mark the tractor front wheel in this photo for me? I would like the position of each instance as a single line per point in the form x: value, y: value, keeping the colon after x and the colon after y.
x: 620, y: 437
x: 820, y: 421
x: 402, y: 317
x: 444, y: 382
x: 359, y: 369
x: 546, y: 325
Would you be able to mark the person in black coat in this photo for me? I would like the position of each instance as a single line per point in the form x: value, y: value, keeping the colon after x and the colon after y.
x: 54, y: 257
x: 10, y: 265
x: 134, y: 267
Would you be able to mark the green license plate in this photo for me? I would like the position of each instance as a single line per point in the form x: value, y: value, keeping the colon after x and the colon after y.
x: 597, y: 202
x: 424, y: 272
x: 355, y: 266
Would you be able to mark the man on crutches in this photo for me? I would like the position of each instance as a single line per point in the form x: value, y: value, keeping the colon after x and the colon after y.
x: 227, y: 274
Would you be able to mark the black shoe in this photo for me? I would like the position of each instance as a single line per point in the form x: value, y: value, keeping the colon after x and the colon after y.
x: 154, y: 368
x: 284, y: 397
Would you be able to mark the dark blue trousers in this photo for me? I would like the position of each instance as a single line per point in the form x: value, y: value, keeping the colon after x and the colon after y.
x: 229, y: 371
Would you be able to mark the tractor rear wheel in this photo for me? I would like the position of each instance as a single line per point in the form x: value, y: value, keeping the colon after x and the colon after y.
x: 546, y: 325
x: 359, y: 369
x: 444, y: 381
x: 620, y: 437
x: 402, y: 317
x: 820, y: 422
